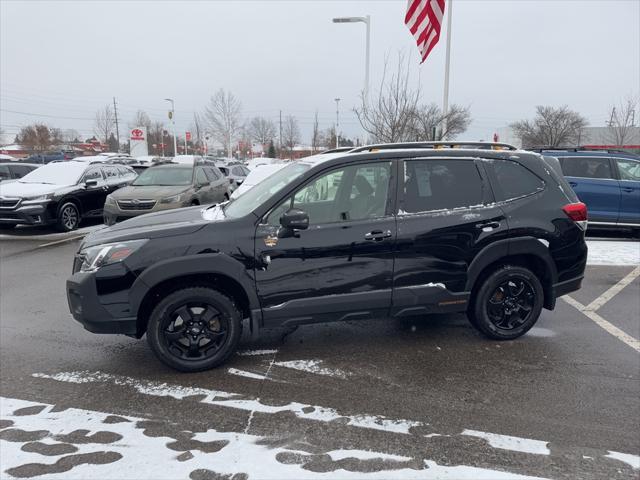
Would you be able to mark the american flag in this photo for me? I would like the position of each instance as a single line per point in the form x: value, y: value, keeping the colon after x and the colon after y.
x: 424, y: 18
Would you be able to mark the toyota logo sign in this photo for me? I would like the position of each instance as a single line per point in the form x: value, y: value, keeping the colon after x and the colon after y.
x: 137, y: 134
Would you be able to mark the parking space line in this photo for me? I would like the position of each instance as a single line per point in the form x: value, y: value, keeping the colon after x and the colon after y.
x: 604, y: 324
x: 613, y: 291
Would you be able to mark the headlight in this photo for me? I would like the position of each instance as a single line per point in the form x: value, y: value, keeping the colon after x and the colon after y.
x: 37, y: 199
x: 106, y: 254
x: 109, y: 200
x: 173, y: 199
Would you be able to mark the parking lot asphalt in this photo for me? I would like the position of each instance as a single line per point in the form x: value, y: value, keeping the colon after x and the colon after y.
x: 422, y: 398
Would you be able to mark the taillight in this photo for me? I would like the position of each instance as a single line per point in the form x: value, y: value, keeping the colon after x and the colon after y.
x: 577, y: 212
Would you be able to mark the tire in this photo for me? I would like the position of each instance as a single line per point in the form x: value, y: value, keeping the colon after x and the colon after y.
x: 195, y: 203
x: 226, y: 197
x: 507, y: 304
x: 193, y: 343
x: 68, y: 217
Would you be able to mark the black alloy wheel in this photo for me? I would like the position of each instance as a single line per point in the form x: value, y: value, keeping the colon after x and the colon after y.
x: 194, y: 329
x: 507, y: 303
x: 68, y: 217
x: 511, y: 303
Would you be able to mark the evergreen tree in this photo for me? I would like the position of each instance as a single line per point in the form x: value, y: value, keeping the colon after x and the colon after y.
x: 271, y: 153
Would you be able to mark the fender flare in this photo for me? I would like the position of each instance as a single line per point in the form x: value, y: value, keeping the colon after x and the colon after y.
x: 207, y: 263
x: 509, y: 247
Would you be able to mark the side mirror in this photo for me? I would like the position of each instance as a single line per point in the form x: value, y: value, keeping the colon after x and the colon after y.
x: 91, y: 183
x: 295, y: 219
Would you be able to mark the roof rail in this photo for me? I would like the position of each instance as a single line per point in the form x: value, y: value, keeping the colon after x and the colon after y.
x: 577, y: 149
x: 434, y: 145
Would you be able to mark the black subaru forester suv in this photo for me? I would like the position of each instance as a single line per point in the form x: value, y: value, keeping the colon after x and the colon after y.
x: 382, y: 231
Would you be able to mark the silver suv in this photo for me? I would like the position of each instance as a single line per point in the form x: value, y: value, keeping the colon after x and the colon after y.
x: 166, y: 187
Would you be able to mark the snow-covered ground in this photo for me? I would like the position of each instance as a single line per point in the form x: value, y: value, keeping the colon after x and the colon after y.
x: 613, y: 252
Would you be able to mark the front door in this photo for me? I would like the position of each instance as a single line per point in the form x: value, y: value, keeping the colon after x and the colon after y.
x: 446, y: 216
x: 629, y: 174
x: 93, y: 197
x: 341, y: 267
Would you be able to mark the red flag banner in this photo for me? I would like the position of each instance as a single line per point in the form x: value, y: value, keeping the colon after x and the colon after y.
x: 424, y: 19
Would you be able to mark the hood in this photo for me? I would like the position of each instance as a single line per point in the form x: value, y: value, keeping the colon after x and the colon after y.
x: 179, y: 221
x: 17, y: 189
x: 150, y: 191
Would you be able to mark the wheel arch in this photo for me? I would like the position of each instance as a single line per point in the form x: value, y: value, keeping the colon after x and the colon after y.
x: 527, y: 252
x: 227, y: 276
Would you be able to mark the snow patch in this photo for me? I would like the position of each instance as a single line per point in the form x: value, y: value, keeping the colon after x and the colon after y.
x: 507, y: 442
x: 312, y: 366
x: 234, y: 400
x: 609, y: 252
x: 243, y: 373
x: 541, y: 332
x: 159, y: 462
x: 249, y: 353
x: 632, y: 460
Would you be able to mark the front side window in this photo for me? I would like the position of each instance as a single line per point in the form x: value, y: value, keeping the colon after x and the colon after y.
x: 201, y: 178
x: 629, y: 170
x: 586, y: 167
x: 355, y: 192
x: 93, y: 174
x: 440, y: 184
x: 512, y: 180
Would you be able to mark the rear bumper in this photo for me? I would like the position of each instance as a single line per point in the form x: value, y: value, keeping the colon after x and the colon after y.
x: 87, y: 309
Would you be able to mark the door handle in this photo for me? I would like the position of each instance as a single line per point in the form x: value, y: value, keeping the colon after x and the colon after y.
x: 488, y: 225
x: 573, y: 184
x: 627, y: 189
x: 377, y: 235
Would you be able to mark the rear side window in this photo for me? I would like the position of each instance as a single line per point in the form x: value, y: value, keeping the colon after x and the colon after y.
x: 19, y: 171
x: 211, y: 173
x: 441, y: 184
x: 201, y: 177
x: 586, y: 167
x: 629, y: 170
x: 512, y: 180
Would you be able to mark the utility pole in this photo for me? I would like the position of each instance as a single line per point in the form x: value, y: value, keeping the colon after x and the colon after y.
x: 115, y: 111
x: 173, y: 124
x: 337, y: 122
x: 280, y: 145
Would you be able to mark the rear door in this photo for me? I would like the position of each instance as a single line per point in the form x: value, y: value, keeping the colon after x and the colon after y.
x: 629, y: 178
x: 93, y: 197
x: 447, y: 214
x: 594, y: 182
x: 204, y: 188
x: 219, y: 183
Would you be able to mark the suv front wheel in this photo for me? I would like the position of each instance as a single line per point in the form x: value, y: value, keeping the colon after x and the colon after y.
x: 507, y: 304
x: 194, y: 329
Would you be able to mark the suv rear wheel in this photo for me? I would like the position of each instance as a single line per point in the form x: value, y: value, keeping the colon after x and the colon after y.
x: 508, y: 303
x: 194, y: 329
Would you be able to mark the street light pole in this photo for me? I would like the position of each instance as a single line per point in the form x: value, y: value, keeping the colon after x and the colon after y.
x: 367, y: 21
x: 337, y: 122
x: 173, y: 124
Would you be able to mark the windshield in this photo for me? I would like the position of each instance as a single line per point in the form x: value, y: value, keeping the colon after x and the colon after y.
x: 163, y: 176
x: 248, y: 201
x: 59, y: 173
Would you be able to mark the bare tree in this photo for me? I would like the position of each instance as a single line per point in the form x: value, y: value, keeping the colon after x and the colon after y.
x: 223, y: 118
x: 315, y: 134
x: 70, y: 135
x: 261, y: 130
x: 197, y: 127
x: 290, y: 133
x: 428, y: 121
x: 104, y: 124
x: 36, y: 137
x: 155, y: 134
x: 552, y: 127
x: 622, y: 120
x: 388, y: 116
x: 141, y: 119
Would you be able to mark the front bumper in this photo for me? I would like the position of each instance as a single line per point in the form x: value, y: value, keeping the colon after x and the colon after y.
x: 113, y: 214
x: 26, y: 215
x: 95, y: 316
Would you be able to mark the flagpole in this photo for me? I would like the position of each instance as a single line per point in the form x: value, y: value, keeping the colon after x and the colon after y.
x: 445, y: 100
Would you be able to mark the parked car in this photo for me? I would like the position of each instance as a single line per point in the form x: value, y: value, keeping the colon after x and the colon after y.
x: 60, y: 193
x: 42, y: 158
x: 255, y: 176
x: 607, y: 181
x: 235, y: 172
x: 407, y: 231
x: 11, y: 170
x: 167, y: 187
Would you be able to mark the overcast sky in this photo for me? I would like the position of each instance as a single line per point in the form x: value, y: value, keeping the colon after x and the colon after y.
x: 63, y: 60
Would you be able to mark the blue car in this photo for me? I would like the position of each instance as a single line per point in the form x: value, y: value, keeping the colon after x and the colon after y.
x: 607, y: 181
